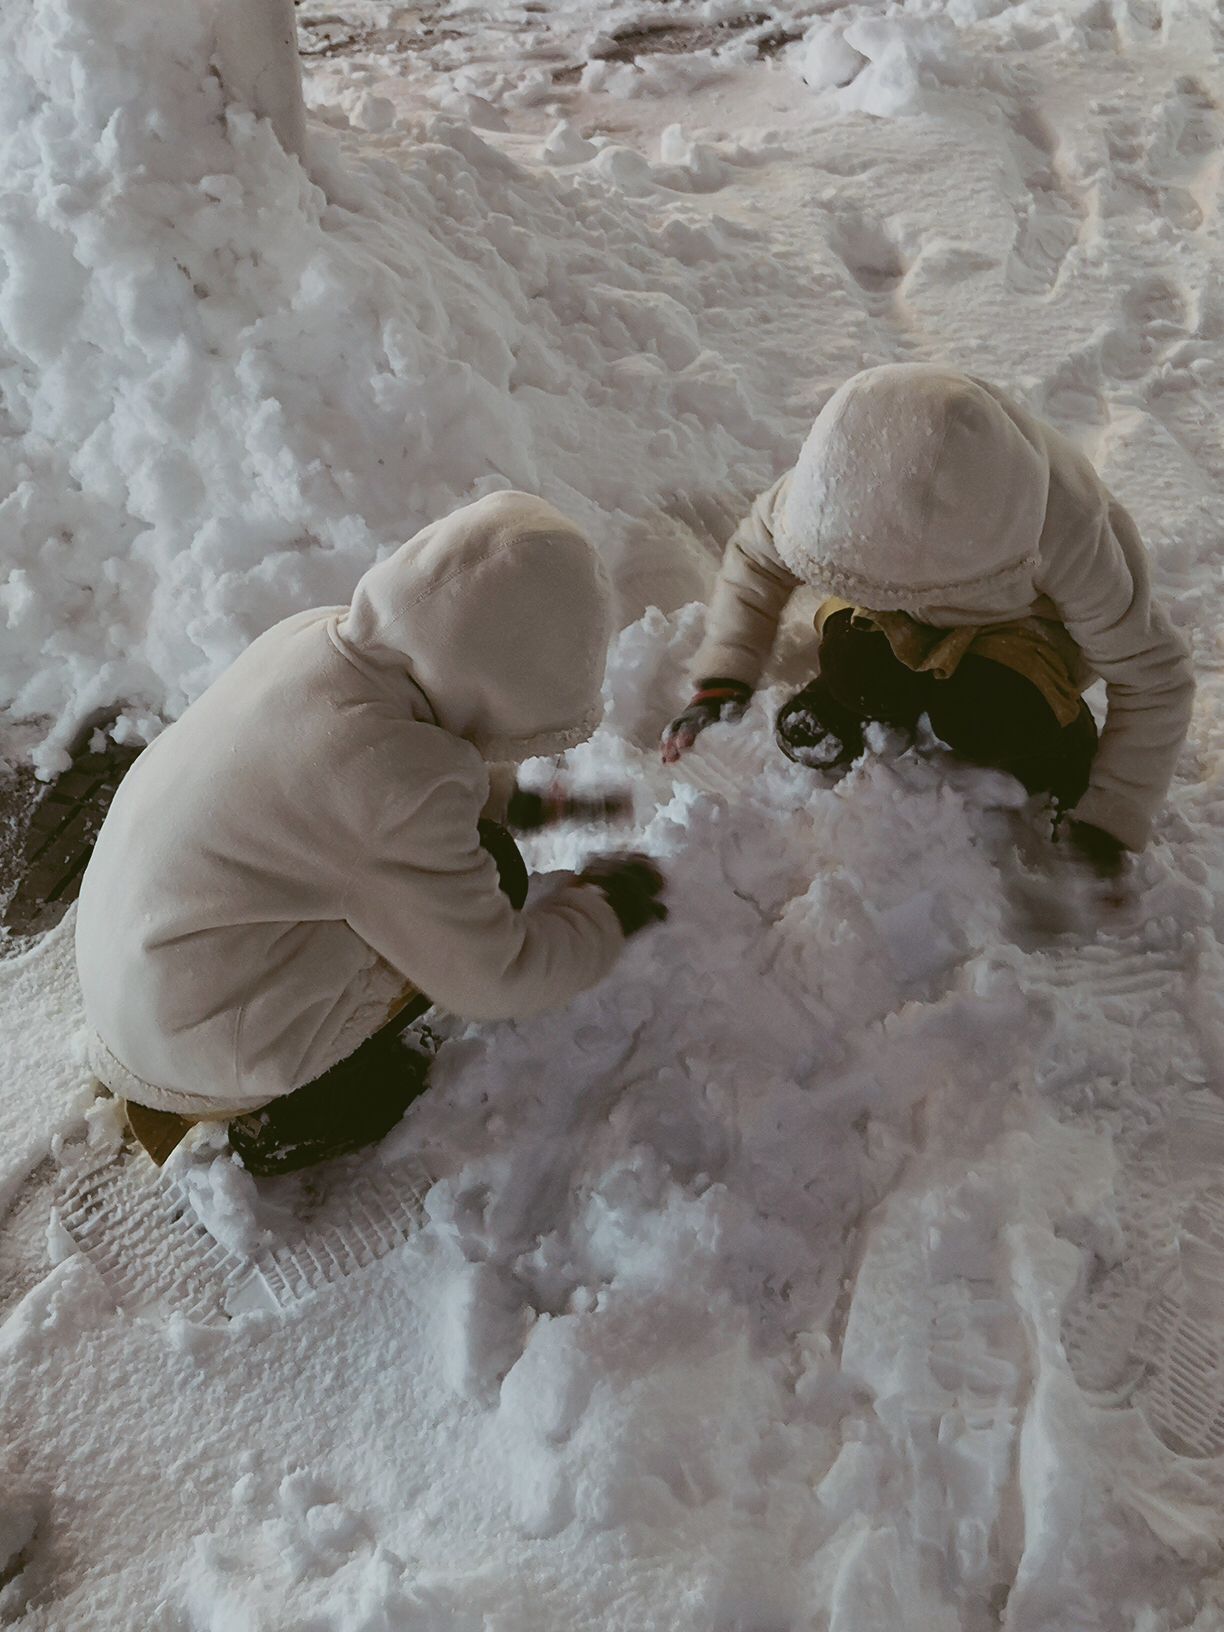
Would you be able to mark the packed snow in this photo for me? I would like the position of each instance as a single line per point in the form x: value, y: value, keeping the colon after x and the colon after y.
x: 853, y: 1258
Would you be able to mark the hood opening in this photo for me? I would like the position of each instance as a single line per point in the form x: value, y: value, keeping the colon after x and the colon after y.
x: 501, y: 615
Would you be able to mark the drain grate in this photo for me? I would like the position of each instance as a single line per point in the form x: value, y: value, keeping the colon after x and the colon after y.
x: 60, y: 836
x: 136, y: 1225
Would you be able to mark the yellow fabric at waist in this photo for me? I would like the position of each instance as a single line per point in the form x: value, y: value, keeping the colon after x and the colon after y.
x: 1040, y: 649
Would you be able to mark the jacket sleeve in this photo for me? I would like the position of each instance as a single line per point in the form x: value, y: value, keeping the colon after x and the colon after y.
x: 749, y: 596
x: 426, y: 898
x: 1100, y: 584
x: 501, y: 787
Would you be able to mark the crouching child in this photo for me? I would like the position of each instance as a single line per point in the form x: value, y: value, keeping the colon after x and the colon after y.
x: 308, y: 857
x: 975, y: 569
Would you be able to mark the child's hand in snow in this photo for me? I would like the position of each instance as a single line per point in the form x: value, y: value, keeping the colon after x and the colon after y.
x: 631, y: 883
x: 1106, y: 854
x: 714, y: 700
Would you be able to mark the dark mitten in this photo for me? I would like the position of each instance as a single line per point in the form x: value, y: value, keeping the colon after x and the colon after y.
x: 714, y: 700
x: 1106, y: 854
x: 631, y: 883
x: 511, y: 868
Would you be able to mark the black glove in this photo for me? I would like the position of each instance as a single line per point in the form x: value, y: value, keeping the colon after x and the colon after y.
x: 631, y: 884
x: 714, y: 700
x: 1106, y: 854
x: 512, y: 877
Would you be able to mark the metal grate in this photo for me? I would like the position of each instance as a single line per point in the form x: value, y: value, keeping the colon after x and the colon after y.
x: 63, y: 827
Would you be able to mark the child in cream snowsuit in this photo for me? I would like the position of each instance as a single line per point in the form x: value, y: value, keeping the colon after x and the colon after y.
x: 976, y: 569
x: 299, y: 853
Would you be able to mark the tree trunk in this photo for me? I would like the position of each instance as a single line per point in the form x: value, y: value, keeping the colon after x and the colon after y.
x: 258, y: 58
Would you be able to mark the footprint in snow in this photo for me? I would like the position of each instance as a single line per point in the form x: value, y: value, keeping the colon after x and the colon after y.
x: 1048, y: 223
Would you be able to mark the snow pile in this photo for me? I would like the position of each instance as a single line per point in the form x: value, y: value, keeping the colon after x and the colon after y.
x: 653, y: 74
x: 885, y: 60
x: 225, y: 1200
x: 851, y: 1259
x: 227, y: 388
x: 884, y: 64
x: 739, y: 1298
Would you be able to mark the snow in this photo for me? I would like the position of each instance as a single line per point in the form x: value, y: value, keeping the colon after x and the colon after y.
x: 851, y: 1259
x: 43, y: 1092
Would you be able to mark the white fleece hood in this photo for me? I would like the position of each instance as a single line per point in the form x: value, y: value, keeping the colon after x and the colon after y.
x: 501, y: 614
x: 916, y: 490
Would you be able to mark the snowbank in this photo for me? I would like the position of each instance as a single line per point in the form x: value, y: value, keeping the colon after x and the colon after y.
x: 228, y: 387
x: 741, y: 1295
x: 852, y: 1258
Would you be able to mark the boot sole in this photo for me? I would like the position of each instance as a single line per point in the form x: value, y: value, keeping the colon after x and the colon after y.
x: 136, y: 1225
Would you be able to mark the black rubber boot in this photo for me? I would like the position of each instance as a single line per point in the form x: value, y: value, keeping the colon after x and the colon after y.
x: 353, y: 1105
x: 359, y: 1100
x: 814, y: 729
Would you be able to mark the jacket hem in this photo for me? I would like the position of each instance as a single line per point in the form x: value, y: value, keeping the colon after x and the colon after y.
x: 125, y: 1084
x: 1009, y: 586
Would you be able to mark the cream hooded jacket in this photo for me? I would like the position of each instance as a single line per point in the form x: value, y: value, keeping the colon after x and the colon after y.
x: 924, y: 491
x: 309, y: 823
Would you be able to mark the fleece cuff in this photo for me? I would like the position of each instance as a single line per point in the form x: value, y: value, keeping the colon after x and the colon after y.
x: 1116, y: 814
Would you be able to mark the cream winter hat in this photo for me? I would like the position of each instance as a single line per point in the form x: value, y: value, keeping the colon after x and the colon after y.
x: 914, y: 489
x: 501, y: 614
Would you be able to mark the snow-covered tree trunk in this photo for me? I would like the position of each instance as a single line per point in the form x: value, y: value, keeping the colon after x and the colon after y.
x: 258, y: 58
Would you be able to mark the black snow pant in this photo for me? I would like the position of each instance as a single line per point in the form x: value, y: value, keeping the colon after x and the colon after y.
x: 359, y: 1100
x: 986, y: 712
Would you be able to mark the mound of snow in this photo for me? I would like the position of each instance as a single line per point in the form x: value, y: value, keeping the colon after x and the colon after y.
x: 883, y: 65
x: 229, y: 387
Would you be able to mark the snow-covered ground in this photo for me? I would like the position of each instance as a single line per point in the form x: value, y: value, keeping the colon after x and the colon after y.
x: 853, y: 1259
